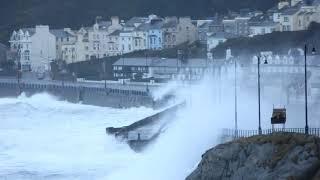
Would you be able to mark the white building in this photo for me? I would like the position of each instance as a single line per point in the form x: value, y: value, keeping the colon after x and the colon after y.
x: 98, y: 37
x: 215, y: 39
x: 79, y: 50
x: 113, y: 44
x: 63, y: 37
x: 20, y: 42
x: 36, y: 48
x: 126, y: 42
x: 296, y: 16
x: 263, y: 28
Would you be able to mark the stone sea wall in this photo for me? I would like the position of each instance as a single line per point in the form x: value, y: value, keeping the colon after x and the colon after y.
x: 109, y: 97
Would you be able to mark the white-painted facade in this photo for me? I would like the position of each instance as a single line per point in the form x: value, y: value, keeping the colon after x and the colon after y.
x: 262, y: 29
x: 43, y: 49
x: 36, y: 48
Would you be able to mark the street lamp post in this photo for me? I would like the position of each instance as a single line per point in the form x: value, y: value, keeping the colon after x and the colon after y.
x: 259, y: 96
x: 306, y: 86
x: 63, y: 73
x: 104, y: 74
x: 235, y: 99
x: 146, y: 70
x: 19, y: 77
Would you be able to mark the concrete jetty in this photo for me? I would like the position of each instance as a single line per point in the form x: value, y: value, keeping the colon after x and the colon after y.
x: 143, y: 132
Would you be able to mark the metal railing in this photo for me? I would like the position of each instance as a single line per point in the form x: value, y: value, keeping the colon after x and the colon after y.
x: 231, y: 133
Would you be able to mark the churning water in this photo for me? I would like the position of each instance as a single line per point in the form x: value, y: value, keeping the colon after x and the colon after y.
x: 43, y: 138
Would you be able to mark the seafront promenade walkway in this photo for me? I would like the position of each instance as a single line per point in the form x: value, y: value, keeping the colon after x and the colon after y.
x: 143, y: 87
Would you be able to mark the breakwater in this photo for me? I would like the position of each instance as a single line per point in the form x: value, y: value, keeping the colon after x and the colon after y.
x: 139, y: 134
x: 116, y: 96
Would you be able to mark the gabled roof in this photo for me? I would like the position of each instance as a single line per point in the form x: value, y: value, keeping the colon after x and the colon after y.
x: 290, y: 11
x: 170, y: 24
x: 135, y: 20
x: 261, y: 20
x: 104, y: 24
x: 274, y: 9
x: 31, y: 31
x: 60, y: 33
x: 305, y: 13
x: 150, y: 26
x: 115, y: 33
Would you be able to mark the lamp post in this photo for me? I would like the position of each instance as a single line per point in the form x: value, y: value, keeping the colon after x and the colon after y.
x: 259, y: 96
x: 146, y: 70
x: 19, y: 77
x: 104, y: 74
x: 306, y: 85
x: 123, y: 68
x: 235, y: 99
x: 63, y: 73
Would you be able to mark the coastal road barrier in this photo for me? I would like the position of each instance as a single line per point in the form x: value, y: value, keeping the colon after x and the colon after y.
x: 231, y: 134
x: 111, y: 96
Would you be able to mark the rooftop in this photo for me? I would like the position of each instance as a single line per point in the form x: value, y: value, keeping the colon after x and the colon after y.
x: 31, y: 31
x: 136, y: 20
x: 170, y: 24
x: 222, y: 35
x: 115, y: 33
x: 60, y: 33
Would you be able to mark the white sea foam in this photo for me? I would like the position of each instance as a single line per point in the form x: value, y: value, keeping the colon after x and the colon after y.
x: 43, y: 138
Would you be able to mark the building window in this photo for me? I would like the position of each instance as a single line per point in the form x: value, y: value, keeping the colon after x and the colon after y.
x: 286, y: 19
x: 27, y: 55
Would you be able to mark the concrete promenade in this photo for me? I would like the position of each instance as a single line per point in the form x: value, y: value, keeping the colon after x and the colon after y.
x: 94, y: 93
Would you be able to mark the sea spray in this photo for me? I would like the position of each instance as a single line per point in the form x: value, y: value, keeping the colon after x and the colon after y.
x: 42, y: 138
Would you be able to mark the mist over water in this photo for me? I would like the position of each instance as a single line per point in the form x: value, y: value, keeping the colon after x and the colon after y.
x: 43, y: 138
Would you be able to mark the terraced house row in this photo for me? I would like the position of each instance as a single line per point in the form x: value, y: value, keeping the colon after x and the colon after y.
x: 37, y: 47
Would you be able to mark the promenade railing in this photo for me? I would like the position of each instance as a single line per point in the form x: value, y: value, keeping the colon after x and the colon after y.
x: 232, y: 133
